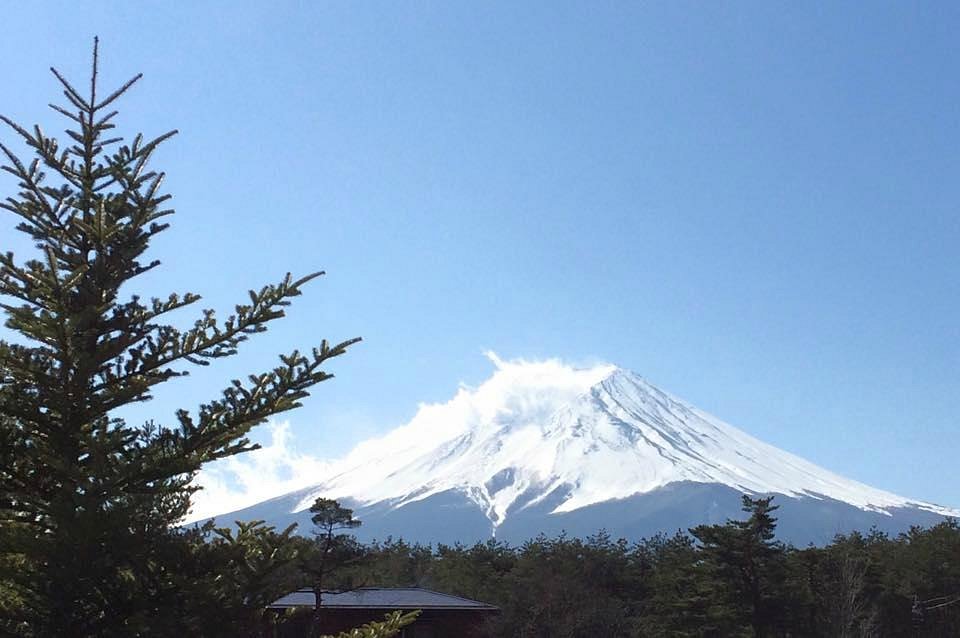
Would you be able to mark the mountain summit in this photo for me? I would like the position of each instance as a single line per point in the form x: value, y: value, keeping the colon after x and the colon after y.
x: 541, y: 447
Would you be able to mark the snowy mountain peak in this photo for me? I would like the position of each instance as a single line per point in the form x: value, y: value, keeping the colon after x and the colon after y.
x: 544, y: 432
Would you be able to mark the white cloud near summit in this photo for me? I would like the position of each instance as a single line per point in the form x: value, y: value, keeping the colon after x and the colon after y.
x: 518, y: 391
x: 517, y: 388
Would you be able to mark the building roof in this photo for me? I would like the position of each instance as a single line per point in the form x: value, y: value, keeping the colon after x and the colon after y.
x: 382, y: 598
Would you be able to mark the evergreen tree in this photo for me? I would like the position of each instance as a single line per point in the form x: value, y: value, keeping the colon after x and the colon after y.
x: 395, y: 563
x: 745, y: 557
x: 88, y: 502
x: 681, y: 601
x: 240, y: 572
x: 480, y: 572
x: 331, y: 551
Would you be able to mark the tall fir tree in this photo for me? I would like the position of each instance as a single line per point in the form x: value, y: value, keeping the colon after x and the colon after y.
x: 89, y: 502
x: 746, y: 562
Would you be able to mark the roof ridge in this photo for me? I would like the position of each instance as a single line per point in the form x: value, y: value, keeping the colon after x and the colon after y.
x: 386, y: 598
x: 440, y: 593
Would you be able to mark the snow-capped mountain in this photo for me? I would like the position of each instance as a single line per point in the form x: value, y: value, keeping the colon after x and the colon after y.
x: 542, y: 447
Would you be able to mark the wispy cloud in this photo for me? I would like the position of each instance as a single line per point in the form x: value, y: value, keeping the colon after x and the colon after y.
x: 240, y: 481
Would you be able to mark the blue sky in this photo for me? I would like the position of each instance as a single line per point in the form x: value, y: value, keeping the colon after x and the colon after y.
x: 752, y: 204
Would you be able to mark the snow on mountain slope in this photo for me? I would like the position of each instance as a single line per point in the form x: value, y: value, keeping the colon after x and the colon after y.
x: 594, y: 434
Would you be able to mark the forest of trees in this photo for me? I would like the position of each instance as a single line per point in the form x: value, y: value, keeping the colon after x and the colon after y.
x: 714, y: 580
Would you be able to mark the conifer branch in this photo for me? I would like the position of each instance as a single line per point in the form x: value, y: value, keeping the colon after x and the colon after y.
x: 74, y: 477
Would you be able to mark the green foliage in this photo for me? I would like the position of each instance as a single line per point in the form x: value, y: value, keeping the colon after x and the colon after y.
x: 329, y: 553
x: 678, y: 594
x: 569, y: 587
x: 724, y: 580
x: 479, y: 572
x: 88, y: 502
x: 395, y: 563
x: 390, y: 626
x: 329, y: 517
x: 252, y: 568
x: 745, y: 564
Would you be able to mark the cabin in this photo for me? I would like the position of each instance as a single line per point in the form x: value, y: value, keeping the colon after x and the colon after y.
x: 442, y: 615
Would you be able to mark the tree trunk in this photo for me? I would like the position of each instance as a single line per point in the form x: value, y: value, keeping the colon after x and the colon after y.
x: 317, y: 620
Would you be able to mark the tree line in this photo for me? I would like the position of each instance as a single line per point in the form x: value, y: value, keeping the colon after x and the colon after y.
x: 733, y: 579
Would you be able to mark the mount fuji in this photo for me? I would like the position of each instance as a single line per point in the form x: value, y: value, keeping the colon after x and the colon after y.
x: 544, y: 448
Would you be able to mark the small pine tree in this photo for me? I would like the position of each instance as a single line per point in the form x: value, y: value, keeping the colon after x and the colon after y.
x: 331, y: 551
x: 89, y: 502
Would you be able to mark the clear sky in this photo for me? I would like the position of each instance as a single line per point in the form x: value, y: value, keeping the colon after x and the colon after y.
x: 753, y: 204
